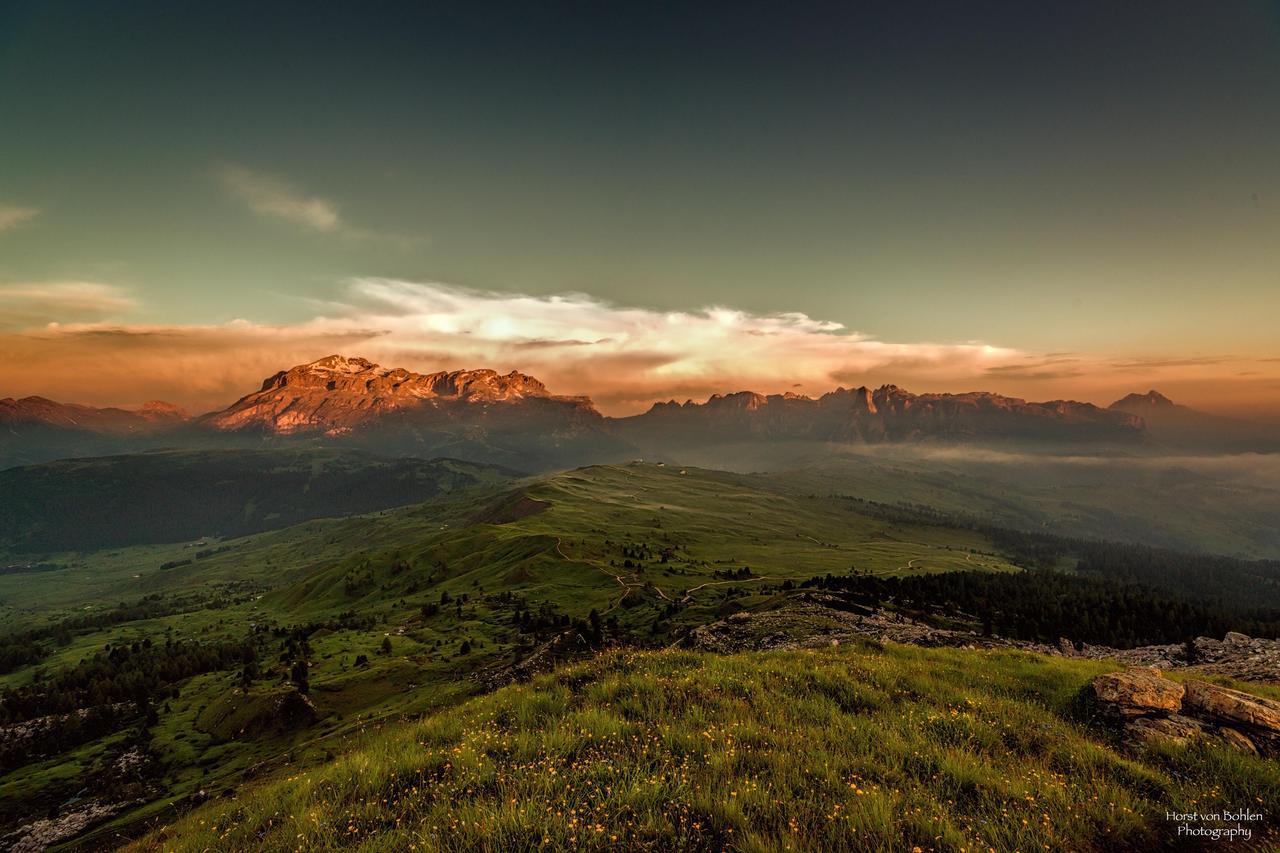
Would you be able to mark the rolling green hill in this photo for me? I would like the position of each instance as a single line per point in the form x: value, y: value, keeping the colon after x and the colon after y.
x: 217, y: 664
x: 1216, y: 503
x: 868, y: 748
x: 398, y: 612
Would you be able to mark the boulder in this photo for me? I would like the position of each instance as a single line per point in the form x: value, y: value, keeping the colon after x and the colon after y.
x: 1235, y: 638
x: 1223, y: 703
x: 1138, y: 692
x: 1175, y: 727
x: 1237, y: 740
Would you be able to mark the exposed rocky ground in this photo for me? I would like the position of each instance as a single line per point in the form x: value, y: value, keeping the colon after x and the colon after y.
x: 42, y: 834
x: 817, y: 619
x: 565, y: 646
x: 1235, y: 655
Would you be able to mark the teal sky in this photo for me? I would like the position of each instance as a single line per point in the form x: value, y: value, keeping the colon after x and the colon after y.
x: 1092, y: 178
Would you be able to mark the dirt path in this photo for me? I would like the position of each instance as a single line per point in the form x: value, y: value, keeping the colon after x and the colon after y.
x: 689, y: 593
x: 627, y: 586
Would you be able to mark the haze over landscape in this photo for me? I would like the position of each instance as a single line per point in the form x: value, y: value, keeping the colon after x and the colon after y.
x: 753, y: 426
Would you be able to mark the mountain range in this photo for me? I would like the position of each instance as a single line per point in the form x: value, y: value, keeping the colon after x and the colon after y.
x: 513, y: 419
x: 1182, y: 426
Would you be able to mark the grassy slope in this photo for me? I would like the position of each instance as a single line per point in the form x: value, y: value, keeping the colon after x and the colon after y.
x: 718, y: 521
x: 561, y: 556
x: 851, y: 748
x: 1218, y: 503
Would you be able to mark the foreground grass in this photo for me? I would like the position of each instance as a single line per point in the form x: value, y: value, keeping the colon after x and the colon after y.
x: 839, y: 749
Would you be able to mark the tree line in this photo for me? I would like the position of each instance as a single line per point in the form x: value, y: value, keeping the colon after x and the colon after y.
x: 1042, y: 605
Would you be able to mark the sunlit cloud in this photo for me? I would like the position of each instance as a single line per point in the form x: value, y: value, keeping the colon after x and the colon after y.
x: 271, y: 197
x: 12, y: 216
x: 624, y: 357
x: 26, y: 304
x: 627, y: 356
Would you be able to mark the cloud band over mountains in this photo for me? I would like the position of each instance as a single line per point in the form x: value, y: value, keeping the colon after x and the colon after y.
x: 73, y: 341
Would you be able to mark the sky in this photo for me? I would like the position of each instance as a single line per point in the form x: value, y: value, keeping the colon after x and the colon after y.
x: 644, y: 201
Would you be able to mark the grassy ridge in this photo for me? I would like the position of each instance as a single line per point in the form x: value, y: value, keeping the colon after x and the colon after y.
x: 850, y: 748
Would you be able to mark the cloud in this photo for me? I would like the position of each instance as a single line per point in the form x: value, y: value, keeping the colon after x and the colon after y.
x: 1049, y: 367
x: 268, y: 196
x: 624, y: 357
x: 11, y: 216
x: 1193, y: 361
x: 199, y: 367
x: 27, y: 304
x: 271, y: 197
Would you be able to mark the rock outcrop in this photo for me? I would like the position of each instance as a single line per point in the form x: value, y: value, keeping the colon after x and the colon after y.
x: 1174, y: 727
x: 1150, y: 706
x: 1232, y: 705
x: 1139, y: 692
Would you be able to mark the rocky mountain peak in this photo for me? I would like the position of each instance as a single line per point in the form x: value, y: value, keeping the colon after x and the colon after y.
x: 339, y: 394
x: 339, y: 364
x: 160, y: 410
x: 1150, y: 400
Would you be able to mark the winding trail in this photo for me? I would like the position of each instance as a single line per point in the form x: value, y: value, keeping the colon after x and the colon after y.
x: 627, y: 586
x: 689, y: 593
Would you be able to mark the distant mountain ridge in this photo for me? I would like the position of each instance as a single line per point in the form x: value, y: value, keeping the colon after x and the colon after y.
x: 43, y: 412
x: 1188, y: 427
x: 888, y: 413
x: 513, y: 419
x: 36, y: 429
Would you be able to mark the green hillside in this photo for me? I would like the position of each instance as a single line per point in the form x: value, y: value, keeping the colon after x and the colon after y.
x: 219, y: 662
x: 1218, y: 503
x: 867, y: 748
x: 395, y: 613
x: 169, y: 496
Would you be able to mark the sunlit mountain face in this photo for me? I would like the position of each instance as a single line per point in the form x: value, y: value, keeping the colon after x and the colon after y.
x: 561, y: 426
